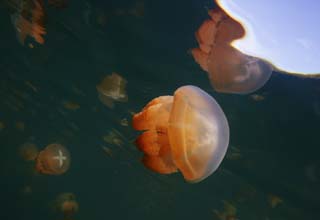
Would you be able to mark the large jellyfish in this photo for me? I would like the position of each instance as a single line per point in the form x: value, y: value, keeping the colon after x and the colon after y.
x: 285, y: 33
x: 187, y: 132
x: 229, y: 70
x: 53, y: 160
x: 112, y: 88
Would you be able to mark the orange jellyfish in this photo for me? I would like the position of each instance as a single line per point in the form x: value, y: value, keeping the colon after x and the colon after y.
x: 67, y: 204
x: 188, y: 132
x: 28, y: 151
x: 53, y: 160
x: 112, y: 88
x: 229, y: 70
x: 28, y: 20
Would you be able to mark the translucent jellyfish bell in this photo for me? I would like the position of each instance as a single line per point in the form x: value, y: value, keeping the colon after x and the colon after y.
x: 53, y: 160
x: 187, y: 132
x: 285, y: 33
x: 112, y: 88
x: 229, y: 70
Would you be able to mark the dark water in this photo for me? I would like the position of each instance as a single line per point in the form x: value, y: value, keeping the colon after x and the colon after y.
x: 274, y: 144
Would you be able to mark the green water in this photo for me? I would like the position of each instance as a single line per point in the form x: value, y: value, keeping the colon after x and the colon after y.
x: 274, y: 142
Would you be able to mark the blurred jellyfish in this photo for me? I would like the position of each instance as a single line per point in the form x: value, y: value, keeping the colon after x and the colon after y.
x: 60, y: 4
x: 274, y: 200
x: 28, y: 151
x: 187, y: 132
x: 230, y: 71
x: 229, y: 212
x: 283, y: 32
x: 67, y: 204
x: 28, y: 20
x: 53, y: 160
x: 112, y: 88
x: 2, y: 125
x: 257, y: 97
x: 26, y: 190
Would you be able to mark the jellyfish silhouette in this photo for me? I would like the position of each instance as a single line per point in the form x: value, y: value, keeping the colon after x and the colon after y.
x: 187, y: 132
x: 229, y: 70
x: 53, y: 160
x: 112, y: 88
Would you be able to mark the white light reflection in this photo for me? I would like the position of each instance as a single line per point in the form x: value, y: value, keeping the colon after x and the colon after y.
x: 286, y: 33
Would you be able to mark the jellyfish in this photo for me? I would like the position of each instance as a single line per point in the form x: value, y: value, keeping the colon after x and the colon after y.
x: 229, y: 70
x: 67, y: 204
x: 59, y: 4
x: 112, y: 88
x: 53, y: 160
x: 28, y: 20
x: 28, y: 151
x: 187, y: 132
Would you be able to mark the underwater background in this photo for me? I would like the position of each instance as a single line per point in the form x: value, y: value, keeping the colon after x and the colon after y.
x: 48, y: 94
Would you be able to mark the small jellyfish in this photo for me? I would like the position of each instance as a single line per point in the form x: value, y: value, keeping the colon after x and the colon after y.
x: 67, y: 204
x: 188, y: 132
x: 28, y: 151
x: 112, y: 88
x: 229, y: 70
x: 59, y: 4
x: 53, y: 160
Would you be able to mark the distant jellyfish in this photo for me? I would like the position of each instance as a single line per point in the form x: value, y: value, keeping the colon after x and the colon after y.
x: 188, y: 132
x: 229, y: 70
x: 28, y: 151
x: 28, y: 20
x: 112, y: 88
x: 59, y: 4
x: 67, y: 204
x: 53, y: 160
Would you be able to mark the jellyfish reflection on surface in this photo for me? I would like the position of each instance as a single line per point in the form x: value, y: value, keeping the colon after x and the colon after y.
x: 53, y: 160
x: 229, y: 70
x: 187, y: 132
x: 112, y: 88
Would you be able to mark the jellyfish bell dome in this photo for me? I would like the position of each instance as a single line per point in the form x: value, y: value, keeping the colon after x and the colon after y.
x: 198, y: 133
x: 229, y: 70
x: 284, y: 33
x: 53, y: 160
x: 187, y: 132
